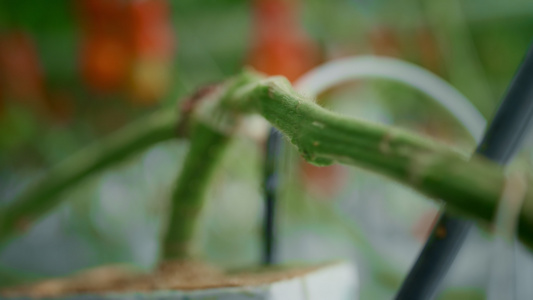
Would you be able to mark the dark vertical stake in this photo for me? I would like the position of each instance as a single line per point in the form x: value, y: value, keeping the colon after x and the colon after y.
x: 270, y: 185
x: 503, y: 138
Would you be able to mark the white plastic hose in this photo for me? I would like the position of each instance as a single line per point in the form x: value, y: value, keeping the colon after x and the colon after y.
x: 344, y: 70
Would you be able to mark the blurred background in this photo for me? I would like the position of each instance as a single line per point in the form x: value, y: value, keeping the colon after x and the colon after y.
x: 72, y: 72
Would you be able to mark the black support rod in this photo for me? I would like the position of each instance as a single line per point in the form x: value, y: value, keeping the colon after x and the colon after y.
x: 502, y: 139
x: 270, y: 185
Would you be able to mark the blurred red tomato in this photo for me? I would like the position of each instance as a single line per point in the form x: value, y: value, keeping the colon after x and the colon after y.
x: 129, y: 47
x: 105, y: 61
x: 105, y: 51
x: 22, y: 78
x: 104, y: 9
x: 290, y: 56
x: 20, y: 71
x: 280, y: 46
x: 153, y: 45
x: 152, y: 30
x: 103, y: 15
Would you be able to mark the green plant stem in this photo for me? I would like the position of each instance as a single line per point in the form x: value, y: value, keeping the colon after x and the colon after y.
x: 213, y: 126
x: 470, y: 187
x: 46, y: 193
x: 206, y: 149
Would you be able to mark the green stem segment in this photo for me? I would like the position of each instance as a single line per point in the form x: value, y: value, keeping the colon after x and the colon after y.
x: 471, y: 187
x: 214, y: 124
x: 19, y: 214
x: 206, y: 149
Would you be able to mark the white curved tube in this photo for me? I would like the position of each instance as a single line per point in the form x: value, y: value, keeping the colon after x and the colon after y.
x: 343, y: 70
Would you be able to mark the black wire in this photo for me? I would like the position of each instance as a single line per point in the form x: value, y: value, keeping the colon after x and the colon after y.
x: 270, y: 185
x: 502, y: 139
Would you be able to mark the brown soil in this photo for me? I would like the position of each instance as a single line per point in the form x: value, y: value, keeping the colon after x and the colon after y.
x: 169, y: 276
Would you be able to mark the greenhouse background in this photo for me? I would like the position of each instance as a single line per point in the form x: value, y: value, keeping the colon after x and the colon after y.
x: 72, y: 72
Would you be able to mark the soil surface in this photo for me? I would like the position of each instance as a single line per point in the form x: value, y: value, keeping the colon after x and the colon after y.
x: 169, y: 276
